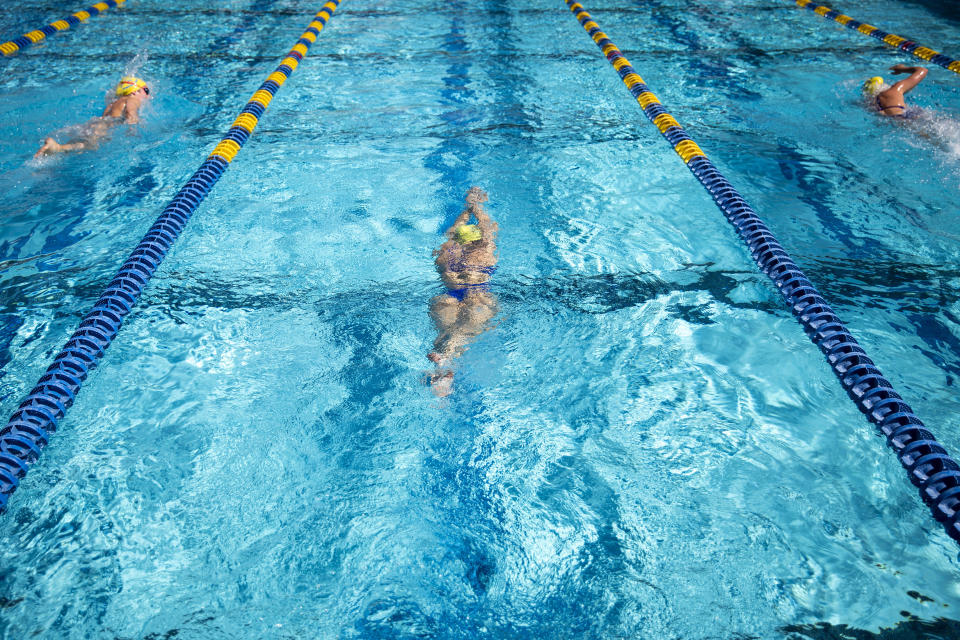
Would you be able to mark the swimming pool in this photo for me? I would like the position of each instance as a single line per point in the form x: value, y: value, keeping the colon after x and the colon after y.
x: 645, y: 445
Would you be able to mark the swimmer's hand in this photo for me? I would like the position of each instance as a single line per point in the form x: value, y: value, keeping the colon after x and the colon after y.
x: 49, y: 147
x: 476, y: 195
x: 902, y: 68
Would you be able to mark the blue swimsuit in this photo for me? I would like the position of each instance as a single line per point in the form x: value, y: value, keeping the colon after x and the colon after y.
x: 902, y: 114
x: 460, y: 293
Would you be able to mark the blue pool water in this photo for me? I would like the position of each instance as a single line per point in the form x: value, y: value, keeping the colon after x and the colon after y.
x: 644, y: 445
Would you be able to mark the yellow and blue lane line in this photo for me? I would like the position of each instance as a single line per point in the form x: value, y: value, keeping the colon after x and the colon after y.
x: 928, y: 464
x: 11, y: 47
x: 29, y: 429
x: 892, y: 39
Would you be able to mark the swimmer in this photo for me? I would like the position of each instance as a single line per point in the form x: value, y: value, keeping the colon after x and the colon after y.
x: 125, y: 108
x: 465, y: 262
x: 889, y: 100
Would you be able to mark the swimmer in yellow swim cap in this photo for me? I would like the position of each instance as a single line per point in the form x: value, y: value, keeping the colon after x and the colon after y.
x: 889, y: 100
x: 124, y: 109
x: 130, y: 85
x: 467, y: 233
x: 873, y: 86
x: 465, y: 261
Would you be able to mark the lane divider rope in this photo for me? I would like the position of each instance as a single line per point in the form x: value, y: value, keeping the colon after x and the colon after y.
x: 928, y: 465
x: 29, y: 429
x: 27, y: 39
x: 899, y: 42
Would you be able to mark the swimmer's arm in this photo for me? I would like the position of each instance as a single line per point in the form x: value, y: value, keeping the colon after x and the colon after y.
x: 487, y: 226
x: 916, y: 75
x: 463, y: 218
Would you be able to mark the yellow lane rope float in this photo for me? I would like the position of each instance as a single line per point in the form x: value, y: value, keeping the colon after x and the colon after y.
x: 927, y: 463
x: 891, y: 39
x: 11, y: 47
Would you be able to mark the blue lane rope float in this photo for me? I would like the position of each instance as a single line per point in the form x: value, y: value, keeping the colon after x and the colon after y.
x: 924, y: 53
x: 29, y: 429
x: 27, y: 39
x: 927, y: 463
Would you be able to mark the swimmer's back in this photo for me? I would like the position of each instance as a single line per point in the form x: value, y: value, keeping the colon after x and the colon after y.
x: 891, y: 103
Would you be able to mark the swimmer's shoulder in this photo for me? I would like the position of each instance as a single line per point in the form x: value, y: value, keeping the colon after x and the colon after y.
x: 446, y: 251
x: 116, y: 108
x: 891, y: 97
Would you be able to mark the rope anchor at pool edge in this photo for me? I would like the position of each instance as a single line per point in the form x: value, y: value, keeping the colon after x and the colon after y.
x: 928, y: 464
x: 27, y: 432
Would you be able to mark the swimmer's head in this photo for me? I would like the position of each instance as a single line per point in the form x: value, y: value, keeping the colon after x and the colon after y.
x: 130, y: 85
x: 873, y: 86
x: 467, y: 233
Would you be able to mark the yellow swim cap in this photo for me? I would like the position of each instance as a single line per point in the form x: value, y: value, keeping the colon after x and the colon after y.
x: 467, y: 233
x: 873, y: 85
x: 130, y: 85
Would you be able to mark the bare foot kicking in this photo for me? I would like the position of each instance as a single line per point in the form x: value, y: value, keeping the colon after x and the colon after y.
x: 437, y: 359
x: 50, y: 146
x: 441, y: 383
